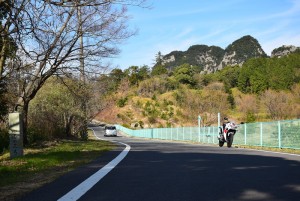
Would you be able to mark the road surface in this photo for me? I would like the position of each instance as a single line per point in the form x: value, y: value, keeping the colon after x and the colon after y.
x: 155, y: 170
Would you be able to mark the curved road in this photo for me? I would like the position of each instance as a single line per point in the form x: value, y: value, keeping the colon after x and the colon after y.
x: 162, y: 171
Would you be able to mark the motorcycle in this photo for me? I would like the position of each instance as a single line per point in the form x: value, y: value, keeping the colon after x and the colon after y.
x: 227, y: 134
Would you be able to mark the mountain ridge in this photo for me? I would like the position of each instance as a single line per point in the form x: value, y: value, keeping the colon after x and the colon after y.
x: 213, y: 58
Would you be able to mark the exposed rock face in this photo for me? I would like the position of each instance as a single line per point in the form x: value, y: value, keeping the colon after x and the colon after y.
x: 212, y: 58
x: 240, y: 51
x: 168, y: 60
x: 207, y: 57
x: 284, y: 50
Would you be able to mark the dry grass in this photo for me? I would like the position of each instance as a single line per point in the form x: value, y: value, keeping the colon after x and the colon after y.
x: 281, y: 150
x: 45, y: 162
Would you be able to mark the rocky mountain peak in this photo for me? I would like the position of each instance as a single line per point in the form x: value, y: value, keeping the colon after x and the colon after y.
x: 240, y: 51
x: 284, y: 50
x: 212, y: 58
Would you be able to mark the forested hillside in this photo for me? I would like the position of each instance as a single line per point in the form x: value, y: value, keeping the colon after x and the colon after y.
x: 261, y: 89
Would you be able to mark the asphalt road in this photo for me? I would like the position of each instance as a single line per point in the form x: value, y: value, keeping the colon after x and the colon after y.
x: 162, y: 171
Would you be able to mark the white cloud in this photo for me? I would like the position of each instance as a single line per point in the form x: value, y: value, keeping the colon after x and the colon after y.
x: 184, y: 33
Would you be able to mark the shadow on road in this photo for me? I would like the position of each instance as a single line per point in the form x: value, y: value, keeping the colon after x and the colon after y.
x: 162, y: 171
x: 205, y: 175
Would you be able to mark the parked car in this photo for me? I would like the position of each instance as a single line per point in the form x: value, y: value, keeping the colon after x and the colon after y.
x: 110, y: 131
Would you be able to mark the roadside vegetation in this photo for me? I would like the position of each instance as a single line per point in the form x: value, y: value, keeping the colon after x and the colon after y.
x: 43, y: 162
x: 272, y: 149
x: 48, y: 68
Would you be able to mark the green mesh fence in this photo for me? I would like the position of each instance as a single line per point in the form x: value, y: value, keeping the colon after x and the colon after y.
x: 280, y: 134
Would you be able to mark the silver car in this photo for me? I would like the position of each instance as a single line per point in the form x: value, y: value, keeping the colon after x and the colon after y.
x: 110, y: 131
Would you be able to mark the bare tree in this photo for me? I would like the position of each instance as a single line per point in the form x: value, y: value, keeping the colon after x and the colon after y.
x: 8, y: 18
x: 296, y: 98
x: 278, y: 104
x: 248, y: 105
x: 48, y: 33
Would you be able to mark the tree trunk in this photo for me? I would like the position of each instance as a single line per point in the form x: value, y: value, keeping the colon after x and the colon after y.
x: 68, y: 125
x: 25, y: 121
x: 3, y: 55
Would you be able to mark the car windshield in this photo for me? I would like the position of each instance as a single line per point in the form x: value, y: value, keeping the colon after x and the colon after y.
x: 111, y: 128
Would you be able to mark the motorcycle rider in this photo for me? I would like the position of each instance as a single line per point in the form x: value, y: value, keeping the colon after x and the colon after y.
x: 227, y: 132
x: 226, y: 121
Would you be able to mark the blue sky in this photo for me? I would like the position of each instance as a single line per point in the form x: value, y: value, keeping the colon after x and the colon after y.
x: 177, y: 24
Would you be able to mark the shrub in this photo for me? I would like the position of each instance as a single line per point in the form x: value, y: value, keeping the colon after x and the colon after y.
x: 122, y: 102
x: 151, y: 119
x: 250, y: 117
x: 4, y: 140
x: 141, y: 124
x: 36, y: 135
x: 126, y: 125
x: 3, y: 100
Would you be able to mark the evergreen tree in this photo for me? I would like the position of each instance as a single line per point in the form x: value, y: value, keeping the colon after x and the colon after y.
x: 184, y: 74
x: 253, y: 76
x: 158, y: 70
x: 281, y: 73
x: 158, y: 58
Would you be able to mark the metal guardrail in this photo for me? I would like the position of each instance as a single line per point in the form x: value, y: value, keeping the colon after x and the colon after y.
x: 279, y: 134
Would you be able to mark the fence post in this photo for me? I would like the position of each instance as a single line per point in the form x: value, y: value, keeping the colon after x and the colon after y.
x: 219, y: 120
x: 208, y: 135
x: 199, y: 125
x: 261, y: 135
x: 199, y: 135
x: 279, y: 134
x: 213, y: 135
x: 245, y: 133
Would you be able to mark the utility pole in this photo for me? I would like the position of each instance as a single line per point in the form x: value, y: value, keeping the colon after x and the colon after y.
x: 83, y: 131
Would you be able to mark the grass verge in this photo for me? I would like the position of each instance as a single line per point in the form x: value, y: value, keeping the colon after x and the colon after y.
x: 273, y: 149
x: 42, y: 163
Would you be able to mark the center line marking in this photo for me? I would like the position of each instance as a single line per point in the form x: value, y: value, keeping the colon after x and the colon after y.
x: 87, y: 184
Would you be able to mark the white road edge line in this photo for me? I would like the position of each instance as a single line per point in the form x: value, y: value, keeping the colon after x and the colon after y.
x: 86, y: 185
